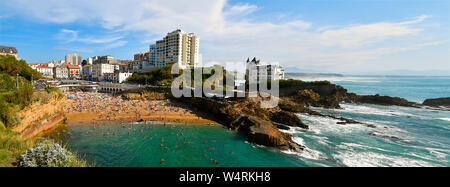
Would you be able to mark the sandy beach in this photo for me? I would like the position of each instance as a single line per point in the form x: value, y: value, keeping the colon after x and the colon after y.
x: 102, y: 108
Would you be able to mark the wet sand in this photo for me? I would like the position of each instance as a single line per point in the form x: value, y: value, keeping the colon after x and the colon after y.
x: 99, y: 108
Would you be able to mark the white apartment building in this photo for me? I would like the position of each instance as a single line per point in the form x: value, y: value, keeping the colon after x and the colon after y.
x: 45, y: 71
x: 73, y: 59
x: 99, y: 70
x: 176, y: 48
x: 117, y: 77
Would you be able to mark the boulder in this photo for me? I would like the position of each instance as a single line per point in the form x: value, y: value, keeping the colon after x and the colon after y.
x: 288, y: 119
x: 265, y: 133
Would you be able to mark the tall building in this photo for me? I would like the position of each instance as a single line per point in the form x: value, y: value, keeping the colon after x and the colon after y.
x: 73, y: 59
x: 5, y: 50
x: 176, y: 48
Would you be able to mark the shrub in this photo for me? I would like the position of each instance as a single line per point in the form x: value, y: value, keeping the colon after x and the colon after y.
x: 49, y: 154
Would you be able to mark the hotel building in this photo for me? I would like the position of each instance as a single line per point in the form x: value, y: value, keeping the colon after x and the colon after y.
x: 176, y: 48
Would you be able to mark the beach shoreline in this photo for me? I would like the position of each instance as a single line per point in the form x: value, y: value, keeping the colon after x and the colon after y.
x: 100, y: 108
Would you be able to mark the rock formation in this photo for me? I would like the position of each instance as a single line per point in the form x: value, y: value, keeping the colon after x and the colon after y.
x: 439, y: 102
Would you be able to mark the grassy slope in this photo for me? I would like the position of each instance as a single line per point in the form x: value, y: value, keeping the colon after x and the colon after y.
x: 13, y: 100
x: 11, y: 146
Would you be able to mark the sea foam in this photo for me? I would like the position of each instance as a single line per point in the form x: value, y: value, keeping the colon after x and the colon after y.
x: 445, y: 119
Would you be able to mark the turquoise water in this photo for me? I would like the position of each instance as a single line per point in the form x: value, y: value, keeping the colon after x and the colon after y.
x: 146, y: 145
x: 402, y: 137
x: 415, y: 89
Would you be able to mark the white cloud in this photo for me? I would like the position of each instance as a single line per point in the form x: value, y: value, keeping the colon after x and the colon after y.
x: 67, y: 36
x: 227, y: 31
x: 115, y: 45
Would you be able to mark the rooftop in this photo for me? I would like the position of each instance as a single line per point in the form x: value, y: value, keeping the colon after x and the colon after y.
x: 7, y: 49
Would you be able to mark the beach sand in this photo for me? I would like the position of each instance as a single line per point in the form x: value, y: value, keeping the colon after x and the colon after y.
x: 99, y: 108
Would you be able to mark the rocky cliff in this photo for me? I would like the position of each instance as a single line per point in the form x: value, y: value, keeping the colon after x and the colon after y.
x: 39, y: 117
x: 330, y: 95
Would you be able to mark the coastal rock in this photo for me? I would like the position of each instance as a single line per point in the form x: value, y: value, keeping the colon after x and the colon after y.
x: 384, y: 100
x: 283, y: 127
x: 439, y: 102
x: 330, y: 95
x: 311, y: 98
x: 245, y: 115
x: 265, y: 133
x: 288, y: 119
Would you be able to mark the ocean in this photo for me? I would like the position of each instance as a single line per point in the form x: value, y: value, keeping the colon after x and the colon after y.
x: 402, y: 137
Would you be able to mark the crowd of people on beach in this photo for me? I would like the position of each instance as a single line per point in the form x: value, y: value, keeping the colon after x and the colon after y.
x: 111, y: 108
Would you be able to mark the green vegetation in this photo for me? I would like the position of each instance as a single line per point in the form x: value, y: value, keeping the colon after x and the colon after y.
x: 55, y: 90
x: 291, y: 82
x: 16, y: 92
x: 11, y: 146
x: 49, y: 154
x: 163, y: 76
x: 11, y: 66
x: 12, y: 97
x: 158, y: 76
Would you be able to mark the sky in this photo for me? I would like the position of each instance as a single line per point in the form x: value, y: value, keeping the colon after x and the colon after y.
x: 326, y: 36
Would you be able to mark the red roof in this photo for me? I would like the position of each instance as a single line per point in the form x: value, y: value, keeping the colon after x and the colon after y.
x: 87, y: 65
x: 73, y: 67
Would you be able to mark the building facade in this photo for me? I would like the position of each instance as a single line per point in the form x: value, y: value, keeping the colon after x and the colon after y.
x: 5, y: 50
x: 60, y: 72
x: 116, y: 77
x: 73, y: 59
x: 45, y: 71
x: 74, y: 72
x: 99, y: 70
x: 86, y: 72
x: 142, y: 56
x: 176, y: 48
x: 107, y: 59
x: 255, y: 72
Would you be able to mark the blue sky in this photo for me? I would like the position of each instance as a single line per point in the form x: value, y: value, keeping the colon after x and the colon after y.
x: 331, y: 36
